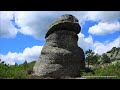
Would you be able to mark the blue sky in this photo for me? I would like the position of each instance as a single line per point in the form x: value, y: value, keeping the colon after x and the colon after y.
x: 22, y: 33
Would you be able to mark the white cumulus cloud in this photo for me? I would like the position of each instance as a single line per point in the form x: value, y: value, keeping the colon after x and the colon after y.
x: 104, y: 28
x: 103, y: 16
x: 85, y: 42
x: 98, y: 47
x: 35, y: 23
x: 7, y: 30
x: 29, y: 54
x: 101, y: 48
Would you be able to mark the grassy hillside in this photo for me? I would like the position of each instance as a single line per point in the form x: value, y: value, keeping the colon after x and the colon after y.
x: 106, y: 65
x: 22, y: 71
x: 111, y: 71
x: 102, y: 67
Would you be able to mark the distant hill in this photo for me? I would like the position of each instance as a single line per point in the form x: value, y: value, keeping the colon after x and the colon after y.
x: 114, y: 54
x: 104, y: 69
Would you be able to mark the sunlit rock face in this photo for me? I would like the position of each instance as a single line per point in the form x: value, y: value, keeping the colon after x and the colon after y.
x: 61, y: 56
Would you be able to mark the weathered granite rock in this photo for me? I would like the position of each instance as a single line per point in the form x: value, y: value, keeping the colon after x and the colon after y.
x: 114, y: 54
x: 61, y: 56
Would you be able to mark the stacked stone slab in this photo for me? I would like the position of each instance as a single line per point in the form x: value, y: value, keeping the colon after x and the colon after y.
x: 61, y: 56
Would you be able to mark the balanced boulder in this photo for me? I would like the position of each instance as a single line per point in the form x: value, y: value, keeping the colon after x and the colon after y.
x: 61, y: 56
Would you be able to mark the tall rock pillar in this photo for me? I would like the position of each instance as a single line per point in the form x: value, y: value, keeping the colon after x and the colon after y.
x: 61, y: 56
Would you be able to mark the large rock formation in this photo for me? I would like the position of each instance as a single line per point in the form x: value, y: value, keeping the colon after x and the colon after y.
x: 61, y: 56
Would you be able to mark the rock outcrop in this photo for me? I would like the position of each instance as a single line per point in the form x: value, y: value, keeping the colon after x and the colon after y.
x: 114, y: 54
x: 61, y: 56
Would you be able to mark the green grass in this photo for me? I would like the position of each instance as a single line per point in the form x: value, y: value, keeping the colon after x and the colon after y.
x: 104, y: 72
x: 23, y: 71
x: 16, y: 71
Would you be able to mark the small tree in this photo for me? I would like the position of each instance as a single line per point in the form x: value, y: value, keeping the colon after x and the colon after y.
x: 96, y: 59
x: 16, y: 64
x: 105, y: 59
x: 92, y: 58
x: 89, y: 56
x: 25, y: 64
x: 2, y: 62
